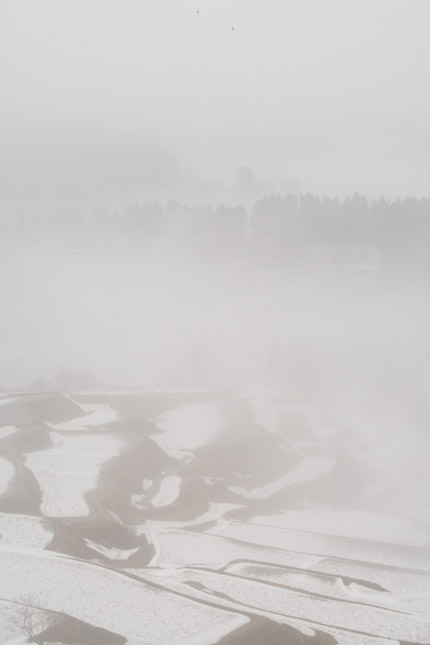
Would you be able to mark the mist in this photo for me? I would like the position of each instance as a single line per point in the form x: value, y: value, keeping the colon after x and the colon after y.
x: 214, y: 315
x: 333, y: 96
x: 179, y: 297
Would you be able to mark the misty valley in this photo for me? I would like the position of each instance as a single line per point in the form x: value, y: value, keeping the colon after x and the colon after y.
x: 214, y: 425
x: 214, y: 322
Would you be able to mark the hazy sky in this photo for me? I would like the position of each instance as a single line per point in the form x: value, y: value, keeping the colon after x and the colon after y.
x: 334, y: 93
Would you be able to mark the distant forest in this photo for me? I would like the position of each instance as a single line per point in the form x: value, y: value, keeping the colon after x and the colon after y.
x: 294, y: 230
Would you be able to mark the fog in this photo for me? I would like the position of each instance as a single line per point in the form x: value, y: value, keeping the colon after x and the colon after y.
x: 214, y: 315
x: 114, y: 114
x: 195, y: 303
x: 108, y: 106
x: 103, y: 104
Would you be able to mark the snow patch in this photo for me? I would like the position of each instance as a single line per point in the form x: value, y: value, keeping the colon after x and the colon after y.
x: 214, y: 634
x: 307, y: 469
x: 170, y: 488
x: 188, y: 427
x: 364, y: 525
x: 5, y: 431
x: 97, y: 414
x: 25, y: 530
x: 108, y: 599
x: 7, y: 474
x: 140, y: 500
x: 6, y: 400
x: 69, y: 470
x: 111, y: 552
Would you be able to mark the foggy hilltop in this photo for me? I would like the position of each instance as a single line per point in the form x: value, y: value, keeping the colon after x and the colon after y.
x: 214, y: 322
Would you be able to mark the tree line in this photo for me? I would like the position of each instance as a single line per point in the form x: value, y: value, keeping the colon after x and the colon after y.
x: 291, y: 229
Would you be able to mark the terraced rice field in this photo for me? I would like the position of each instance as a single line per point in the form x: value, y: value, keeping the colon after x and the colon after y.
x: 201, y: 517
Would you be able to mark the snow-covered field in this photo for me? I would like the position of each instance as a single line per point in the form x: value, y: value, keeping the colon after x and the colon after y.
x: 5, y: 431
x: 96, y: 414
x: 320, y: 604
x: 25, y: 530
x: 108, y: 599
x: 367, y: 525
x: 200, y: 518
x: 188, y: 427
x: 308, y: 468
x: 169, y: 490
x: 68, y: 470
x: 7, y: 474
x: 5, y: 399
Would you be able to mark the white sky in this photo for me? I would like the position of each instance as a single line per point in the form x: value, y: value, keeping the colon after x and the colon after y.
x: 334, y: 92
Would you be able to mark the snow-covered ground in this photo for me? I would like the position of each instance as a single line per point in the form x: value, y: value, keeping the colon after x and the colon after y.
x: 215, y: 515
x: 188, y: 427
x: 25, y: 530
x: 111, y: 552
x: 366, y: 525
x: 70, y: 469
x: 170, y: 488
x: 7, y: 474
x: 322, y: 609
x: 140, y: 500
x: 5, y: 399
x: 5, y: 431
x: 328, y: 545
x: 193, y: 532
x: 10, y: 631
x: 96, y: 414
x: 176, y: 547
x: 179, y: 548
x: 307, y: 469
x: 111, y: 600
